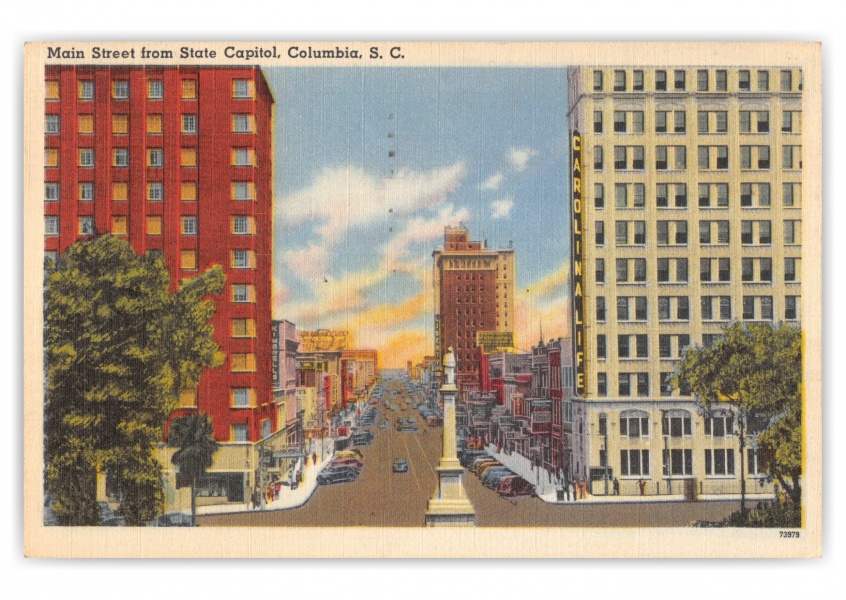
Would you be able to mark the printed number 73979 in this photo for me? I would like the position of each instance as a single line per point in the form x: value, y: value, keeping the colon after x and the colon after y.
x: 788, y: 534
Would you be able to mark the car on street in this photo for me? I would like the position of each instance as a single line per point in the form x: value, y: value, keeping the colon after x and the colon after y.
x: 492, y: 477
x: 337, y: 475
x: 467, y: 457
x: 408, y: 429
x: 362, y: 438
x: 347, y: 462
x: 479, y: 467
x: 351, y: 453
x: 412, y: 420
x: 400, y: 465
x: 383, y: 424
x: 513, y: 486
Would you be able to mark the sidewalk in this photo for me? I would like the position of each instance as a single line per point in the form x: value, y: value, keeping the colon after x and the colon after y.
x: 545, y: 486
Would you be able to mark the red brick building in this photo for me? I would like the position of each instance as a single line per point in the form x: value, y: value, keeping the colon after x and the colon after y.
x: 474, y: 291
x: 178, y: 161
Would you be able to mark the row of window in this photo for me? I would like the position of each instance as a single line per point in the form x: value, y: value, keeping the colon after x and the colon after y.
x: 155, y: 89
x: 711, y: 232
x: 675, y: 423
x: 706, y: 81
x: 707, y: 121
x: 710, y: 195
x: 239, y: 157
x: 240, y: 123
x: 709, y: 158
x: 240, y: 225
x: 711, y: 270
x: 239, y: 190
x: 677, y: 308
x: 719, y: 462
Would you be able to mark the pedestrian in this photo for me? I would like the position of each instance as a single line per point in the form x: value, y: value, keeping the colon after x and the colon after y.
x: 575, y: 485
x: 642, y: 484
x: 567, y: 487
x: 314, y: 458
x: 583, y: 489
x: 616, y: 487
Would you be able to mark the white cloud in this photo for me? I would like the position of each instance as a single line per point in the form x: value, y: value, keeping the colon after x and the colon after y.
x: 519, y: 158
x: 502, y: 208
x: 493, y: 182
x: 418, y: 230
x: 309, y: 263
x: 347, y: 197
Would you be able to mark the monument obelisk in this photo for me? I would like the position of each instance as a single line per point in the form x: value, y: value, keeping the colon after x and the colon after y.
x: 449, y: 506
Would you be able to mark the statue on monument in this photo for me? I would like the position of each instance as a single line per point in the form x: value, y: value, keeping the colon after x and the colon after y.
x: 449, y: 366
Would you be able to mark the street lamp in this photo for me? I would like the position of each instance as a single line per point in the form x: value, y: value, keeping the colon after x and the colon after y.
x: 668, y: 457
x: 603, y: 418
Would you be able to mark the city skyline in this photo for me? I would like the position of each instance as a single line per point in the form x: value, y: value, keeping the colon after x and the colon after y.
x: 364, y: 199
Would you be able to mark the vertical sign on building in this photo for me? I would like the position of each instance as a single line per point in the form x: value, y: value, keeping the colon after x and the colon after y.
x: 274, y: 343
x: 576, y: 253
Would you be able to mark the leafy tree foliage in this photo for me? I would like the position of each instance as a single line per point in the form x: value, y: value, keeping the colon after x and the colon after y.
x: 756, y: 371
x: 119, y: 349
x: 194, y: 436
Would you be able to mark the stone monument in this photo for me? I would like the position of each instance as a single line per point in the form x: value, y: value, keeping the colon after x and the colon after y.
x: 449, y: 506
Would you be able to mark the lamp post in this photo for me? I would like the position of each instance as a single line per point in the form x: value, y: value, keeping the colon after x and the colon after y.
x: 665, y: 425
x: 603, y: 418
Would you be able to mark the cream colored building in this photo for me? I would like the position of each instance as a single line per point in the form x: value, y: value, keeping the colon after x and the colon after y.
x: 691, y: 211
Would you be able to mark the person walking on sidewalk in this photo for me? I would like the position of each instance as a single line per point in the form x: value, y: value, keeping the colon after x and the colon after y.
x: 642, y: 484
x: 616, y: 487
x: 583, y: 489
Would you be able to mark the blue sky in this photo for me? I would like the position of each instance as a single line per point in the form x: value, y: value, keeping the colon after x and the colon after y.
x: 372, y: 163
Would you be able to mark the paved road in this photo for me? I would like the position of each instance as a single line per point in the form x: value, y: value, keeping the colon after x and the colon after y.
x: 383, y: 498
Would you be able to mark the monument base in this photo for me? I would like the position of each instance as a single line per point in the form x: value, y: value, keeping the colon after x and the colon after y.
x: 450, y: 506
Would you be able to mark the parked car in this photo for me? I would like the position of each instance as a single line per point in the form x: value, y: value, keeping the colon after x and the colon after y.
x: 478, y: 467
x: 362, y: 438
x: 383, y: 424
x: 434, y: 420
x: 337, y: 475
x: 514, y: 486
x: 498, y: 467
x: 351, y: 453
x: 174, y: 519
x: 400, y: 465
x: 493, y: 476
x: 347, y: 462
x: 467, y: 457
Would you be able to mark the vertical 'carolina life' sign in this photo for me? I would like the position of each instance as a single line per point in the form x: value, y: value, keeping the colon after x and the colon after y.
x: 578, y: 284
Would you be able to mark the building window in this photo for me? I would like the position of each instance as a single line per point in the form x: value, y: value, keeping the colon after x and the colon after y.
x: 622, y: 233
x: 600, y: 309
x: 265, y: 428
x: 791, y: 308
x: 154, y: 225
x: 243, y: 124
x: 634, y: 424
x: 668, y: 274
x: 240, y: 433
x: 120, y: 157
x: 619, y: 80
x: 600, y: 270
x: 188, y: 398
x: 51, y: 192
x: 52, y: 124
x: 626, y: 267
x: 242, y: 88
x: 243, y: 362
x: 791, y: 121
x: 155, y: 89
x: 637, y: 80
x: 189, y: 123
x: 189, y: 225
x: 243, y: 293
x: 680, y: 121
x: 702, y: 80
x: 51, y: 91
x: 602, y: 384
x: 120, y: 124
x: 597, y: 81
x: 597, y: 121
x: 119, y: 225
x: 713, y: 158
x: 719, y: 462
x: 601, y: 347
x: 755, y: 194
x: 85, y: 124
x: 673, y: 308
x: 757, y: 308
x: 628, y: 158
x: 747, y: 232
x: 86, y: 226
x: 624, y: 387
x: 713, y: 195
x: 154, y: 124
x: 597, y: 158
x: 671, y: 233
x: 242, y: 259
x: 791, y: 157
x: 155, y: 192
x: 51, y: 226
x: 722, y: 80
x: 792, y: 232
x: 763, y: 81
x: 791, y: 269
x: 743, y: 80
x: 599, y: 195
x: 188, y: 191
x: 188, y: 260
x: 188, y: 157
x: 678, y: 462
x: 679, y: 80
x: 189, y: 89
x: 155, y: 157
x: 120, y: 90
x: 634, y: 463
x: 243, y: 157
x: 708, y: 229
x: 660, y: 81
x: 243, y: 328
x: 600, y: 233
x: 670, y: 155
x: 242, y: 225
x: 86, y: 90
x: 86, y: 157
x: 786, y: 81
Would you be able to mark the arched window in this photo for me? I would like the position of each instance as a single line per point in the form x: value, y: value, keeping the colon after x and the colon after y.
x: 677, y: 423
x: 634, y: 423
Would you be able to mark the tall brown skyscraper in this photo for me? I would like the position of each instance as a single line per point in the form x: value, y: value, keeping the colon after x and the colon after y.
x: 474, y: 292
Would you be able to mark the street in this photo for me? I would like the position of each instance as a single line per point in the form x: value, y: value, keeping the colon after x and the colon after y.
x: 381, y: 498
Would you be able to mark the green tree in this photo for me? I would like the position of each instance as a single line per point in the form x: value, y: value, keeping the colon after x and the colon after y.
x: 119, y: 349
x: 194, y: 436
x: 756, y: 371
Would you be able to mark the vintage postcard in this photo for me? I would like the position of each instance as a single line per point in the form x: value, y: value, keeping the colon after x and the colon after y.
x: 389, y: 299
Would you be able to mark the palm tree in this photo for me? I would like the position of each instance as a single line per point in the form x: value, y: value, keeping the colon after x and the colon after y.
x: 193, y: 435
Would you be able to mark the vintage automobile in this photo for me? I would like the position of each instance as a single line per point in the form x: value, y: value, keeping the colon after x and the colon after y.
x: 352, y: 453
x: 337, y: 475
x: 346, y: 462
x: 400, y: 465
x: 514, y: 485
